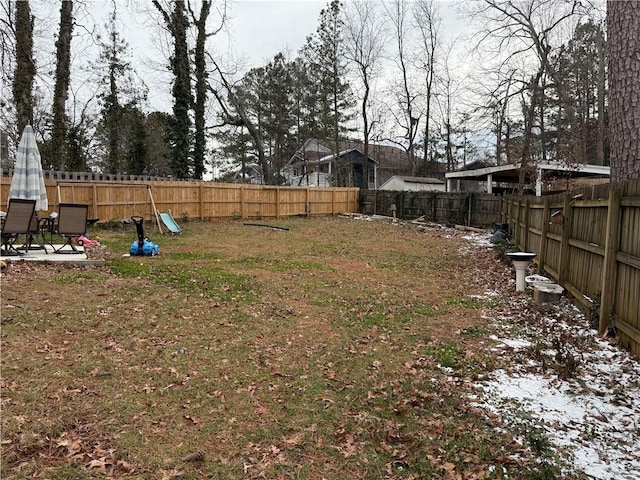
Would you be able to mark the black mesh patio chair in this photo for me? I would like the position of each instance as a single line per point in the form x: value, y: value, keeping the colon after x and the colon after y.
x: 16, y: 223
x: 35, y: 237
x: 72, y: 223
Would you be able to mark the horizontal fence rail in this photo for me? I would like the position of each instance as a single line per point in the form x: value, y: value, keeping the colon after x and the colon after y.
x: 589, y: 242
x: 463, y: 208
x: 95, y: 176
x: 115, y: 200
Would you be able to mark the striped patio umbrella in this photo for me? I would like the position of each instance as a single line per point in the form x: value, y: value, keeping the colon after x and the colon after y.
x: 28, y: 180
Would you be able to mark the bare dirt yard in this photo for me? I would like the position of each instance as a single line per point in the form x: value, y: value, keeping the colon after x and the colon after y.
x: 340, y: 348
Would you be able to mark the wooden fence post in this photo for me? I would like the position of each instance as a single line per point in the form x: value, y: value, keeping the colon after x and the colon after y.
x: 242, y: 207
x: 95, y: 200
x: 527, y: 212
x: 564, y: 243
x: 610, y: 264
x: 516, y: 237
x: 277, y: 202
x: 542, y: 258
x: 201, y: 193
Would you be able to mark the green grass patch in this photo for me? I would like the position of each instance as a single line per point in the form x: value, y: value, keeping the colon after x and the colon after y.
x: 312, y: 353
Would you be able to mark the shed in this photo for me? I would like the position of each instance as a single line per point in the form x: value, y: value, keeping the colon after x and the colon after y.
x: 404, y: 183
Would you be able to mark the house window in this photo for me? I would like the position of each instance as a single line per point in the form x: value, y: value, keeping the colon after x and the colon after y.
x: 372, y: 176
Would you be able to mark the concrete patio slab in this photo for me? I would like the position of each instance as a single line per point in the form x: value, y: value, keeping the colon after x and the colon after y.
x: 48, y: 256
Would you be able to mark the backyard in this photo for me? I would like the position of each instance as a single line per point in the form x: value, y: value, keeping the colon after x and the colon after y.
x: 337, y: 348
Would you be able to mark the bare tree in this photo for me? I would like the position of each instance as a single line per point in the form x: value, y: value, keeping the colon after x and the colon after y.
x: 447, y: 92
x: 238, y: 115
x: 365, y: 37
x: 406, y: 96
x: 200, y: 70
x: 522, y: 30
x: 428, y: 23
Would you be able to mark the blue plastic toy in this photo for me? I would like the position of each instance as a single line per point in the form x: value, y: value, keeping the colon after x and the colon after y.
x: 142, y: 246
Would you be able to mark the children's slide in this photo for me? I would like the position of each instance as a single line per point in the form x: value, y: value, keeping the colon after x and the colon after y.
x: 169, y: 222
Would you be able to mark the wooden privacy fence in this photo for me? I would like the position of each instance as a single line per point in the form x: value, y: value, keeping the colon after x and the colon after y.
x: 463, y: 208
x: 589, y: 241
x: 194, y: 200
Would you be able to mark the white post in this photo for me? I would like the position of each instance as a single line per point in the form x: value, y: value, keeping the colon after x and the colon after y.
x: 539, y: 183
x: 489, y: 183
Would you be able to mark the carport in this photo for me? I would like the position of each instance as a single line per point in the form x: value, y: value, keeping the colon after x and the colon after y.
x: 511, y: 173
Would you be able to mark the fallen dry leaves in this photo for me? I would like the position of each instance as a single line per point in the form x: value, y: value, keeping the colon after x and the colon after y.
x: 334, y: 369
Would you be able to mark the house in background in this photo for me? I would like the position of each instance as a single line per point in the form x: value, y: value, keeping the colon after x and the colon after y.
x: 315, y: 164
x: 414, y: 184
x: 252, y: 174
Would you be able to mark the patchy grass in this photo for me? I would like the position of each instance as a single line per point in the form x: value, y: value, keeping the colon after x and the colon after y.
x: 325, y: 351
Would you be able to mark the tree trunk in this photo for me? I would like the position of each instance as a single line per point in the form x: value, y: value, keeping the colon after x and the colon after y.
x: 623, y: 25
x: 601, y: 99
x: 199, y: 148
x: 365, y: 119
x: 25, y: 66
x: 61, y: 89
x: 180, y: 132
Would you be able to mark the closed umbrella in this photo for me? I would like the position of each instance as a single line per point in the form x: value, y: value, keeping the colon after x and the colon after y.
x: 28, y: 179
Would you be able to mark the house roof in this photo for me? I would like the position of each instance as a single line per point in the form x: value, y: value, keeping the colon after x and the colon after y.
x: 511, y: 172
x: 316, y: 151
x: 343, y: 153
x: 426, y: 180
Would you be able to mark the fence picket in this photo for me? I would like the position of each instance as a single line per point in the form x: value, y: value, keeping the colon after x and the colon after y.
x: 594, y: 251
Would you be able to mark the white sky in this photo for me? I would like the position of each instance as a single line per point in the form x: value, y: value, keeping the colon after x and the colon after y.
x: 255, y: 32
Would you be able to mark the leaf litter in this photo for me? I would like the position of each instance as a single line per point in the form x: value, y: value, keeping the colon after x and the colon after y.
x: 554, y: 382
x: 581, y: 391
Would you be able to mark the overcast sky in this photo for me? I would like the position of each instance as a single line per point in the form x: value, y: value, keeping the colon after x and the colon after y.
x: 255, y: 32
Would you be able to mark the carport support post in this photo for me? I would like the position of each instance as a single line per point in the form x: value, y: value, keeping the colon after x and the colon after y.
x: 490, y: 183
x: 539, y: 183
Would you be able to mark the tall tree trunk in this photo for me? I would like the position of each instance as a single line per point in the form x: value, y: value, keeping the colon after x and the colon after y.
x: 365, y: 120
x: 25, y: 66
x: 601, y: 100
x: 177, y: 24
x: 200, y: 64
x: 623, y: 25
x: 61, y: 89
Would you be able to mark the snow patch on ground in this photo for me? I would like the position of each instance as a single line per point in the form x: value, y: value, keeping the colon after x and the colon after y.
x: 590, y: 415
x: 479, y: 239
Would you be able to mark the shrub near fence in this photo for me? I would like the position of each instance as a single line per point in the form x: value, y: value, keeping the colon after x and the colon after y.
x: 463, y: 208
x: 588, y: 241
x: 196, y: 200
